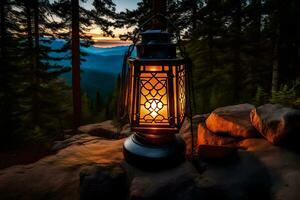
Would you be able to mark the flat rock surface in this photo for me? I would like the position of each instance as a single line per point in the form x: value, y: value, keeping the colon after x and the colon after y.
x: 105, y: 129
x: 262, y: 171
x: 281, y: 164
x: 173, y: 183
x: 57, y: 176
x: 277, y: 123
x: 234, y: 120
x: 98, y: 182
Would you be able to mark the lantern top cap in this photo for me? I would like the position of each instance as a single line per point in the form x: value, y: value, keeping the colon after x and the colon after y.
x: 156, y: 33
x: 156, y: 36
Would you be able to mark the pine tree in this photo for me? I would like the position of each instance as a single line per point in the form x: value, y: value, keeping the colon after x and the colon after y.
x: 47, y: 105
x: 100, y: 15
x: 76, y: 63
x: 38, y: 98
x: 10, y: 74
x: 98, y: 102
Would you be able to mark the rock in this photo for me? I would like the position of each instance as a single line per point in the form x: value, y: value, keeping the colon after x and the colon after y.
x: 206, y: 137
x: 106, y: 183
x: 73, y: 140
x: 200, y: 118
x: 57, y: 176
x: 245, y: 179
x: 105, y: 129
x: 276, y: 122
x: 233, y: 120
x: 176, y: 183
x: 185, y: 131
x: 281, y: 164
x: 217, y: 153
x: 262, y: 171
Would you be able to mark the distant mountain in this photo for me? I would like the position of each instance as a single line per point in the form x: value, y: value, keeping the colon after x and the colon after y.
x: 98, y: 59
x: 99, y: 70
x: 93, y: 81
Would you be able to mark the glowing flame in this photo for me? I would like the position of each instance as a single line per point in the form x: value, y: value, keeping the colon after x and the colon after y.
x: 154, y: 105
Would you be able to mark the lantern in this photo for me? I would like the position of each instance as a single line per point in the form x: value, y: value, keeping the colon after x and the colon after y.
x: 156, y: 102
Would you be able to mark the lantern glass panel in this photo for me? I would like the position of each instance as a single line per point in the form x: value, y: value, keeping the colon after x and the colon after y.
x: 156, y: 96
x: 154, y: 105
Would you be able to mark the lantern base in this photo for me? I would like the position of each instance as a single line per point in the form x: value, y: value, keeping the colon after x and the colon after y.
x: 154, y: 157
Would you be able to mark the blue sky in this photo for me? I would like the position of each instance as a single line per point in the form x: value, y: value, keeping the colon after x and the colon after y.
x: 121, y: 5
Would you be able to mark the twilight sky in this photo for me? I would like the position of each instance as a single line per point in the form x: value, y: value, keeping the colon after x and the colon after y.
x: 121, y: 5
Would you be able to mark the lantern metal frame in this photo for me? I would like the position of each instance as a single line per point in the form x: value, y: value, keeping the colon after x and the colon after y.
x: 173, y: 68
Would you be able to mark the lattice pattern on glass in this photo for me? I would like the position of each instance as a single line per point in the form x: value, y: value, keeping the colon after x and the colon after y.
x: 154, y: 98
x: 181, y: 93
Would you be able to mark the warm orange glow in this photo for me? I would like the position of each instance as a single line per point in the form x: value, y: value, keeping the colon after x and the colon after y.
x: 157, y: 95
x: 153, y: 68
x: 154, y: 97
x: 154, y: 105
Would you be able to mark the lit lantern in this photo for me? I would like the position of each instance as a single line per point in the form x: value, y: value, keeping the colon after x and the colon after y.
x: 156, y: 102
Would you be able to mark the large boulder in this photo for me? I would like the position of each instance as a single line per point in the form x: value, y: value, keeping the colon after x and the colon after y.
x: 276, y: 122
x: 206, y: 137
x: 233, y: 120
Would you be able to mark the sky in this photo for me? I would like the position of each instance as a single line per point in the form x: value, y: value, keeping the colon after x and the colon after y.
x: 121, y: 5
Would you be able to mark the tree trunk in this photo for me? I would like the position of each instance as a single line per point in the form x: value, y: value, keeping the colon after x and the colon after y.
x: 3, y: 28
x: 29, y: 26
x: 5, y: 101
x: 237, y: 18
x: 275, y: 66
x: 257, y: 18
x: 275, y: 75
x: 210, y: 36
x: 31, y: 49
x: 254, y: 72
x: 35, y: 100
x: 76, y: 64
